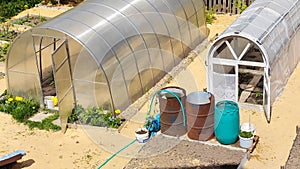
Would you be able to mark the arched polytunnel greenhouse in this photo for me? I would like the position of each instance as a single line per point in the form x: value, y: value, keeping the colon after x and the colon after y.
x: 105, y: 53
x: 252, y: 60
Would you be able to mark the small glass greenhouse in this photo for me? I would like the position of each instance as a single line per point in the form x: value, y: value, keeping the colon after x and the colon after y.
x: 105, y: 53
x: 252, y: 60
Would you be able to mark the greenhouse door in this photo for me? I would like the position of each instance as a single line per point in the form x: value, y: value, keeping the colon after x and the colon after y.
x: 266, y: 93
x: 63, y: 82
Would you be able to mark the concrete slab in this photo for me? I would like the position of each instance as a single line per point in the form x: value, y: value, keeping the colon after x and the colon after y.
x: 112, y: 141
x: 57, y: 122
x: 40, y: 116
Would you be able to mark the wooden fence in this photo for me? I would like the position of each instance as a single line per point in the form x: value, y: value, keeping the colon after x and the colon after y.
x: 228, y: 6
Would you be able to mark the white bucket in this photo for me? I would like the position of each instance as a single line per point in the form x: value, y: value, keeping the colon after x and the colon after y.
x: 142, y: 135
x: 246, y: 142
x: 50, y: 104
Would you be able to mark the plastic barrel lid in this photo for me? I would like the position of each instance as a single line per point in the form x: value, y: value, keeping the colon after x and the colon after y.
x: 199, y: 98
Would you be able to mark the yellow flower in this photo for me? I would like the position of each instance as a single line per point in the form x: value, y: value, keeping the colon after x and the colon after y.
x: 10, y: 99
x: 117, y: 111
x: 18, y: 98
x: 54, y: 99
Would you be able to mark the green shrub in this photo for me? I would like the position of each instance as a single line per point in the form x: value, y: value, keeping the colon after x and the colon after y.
x: 3, y: 51
x: 46, y: 124
x: 209, y: 14
x: 94, y: 116
x: 240, y: 6
x: 246, y: 134
x: 21, y: 109
x: 9, y: 8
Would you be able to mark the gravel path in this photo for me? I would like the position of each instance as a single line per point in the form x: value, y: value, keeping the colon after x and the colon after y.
x: 165, y: 152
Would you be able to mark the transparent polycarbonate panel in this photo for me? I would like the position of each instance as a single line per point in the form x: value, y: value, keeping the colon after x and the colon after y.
x: 118, y: 27
x: 62, y: 73
x: 110, y: 64
x: 62, y: 81
x: 176, y: 7
x: 102, y: 10
x: 27, y: 65
x: 74, y: 50
x: 60, y: 57
x: 188, y: 7
x: 118, y: 5
x: 178, y: 50
x: 224, y: 82
x: 85, y: 67
x: 23, y: 84
x: 21, y: 50
x: 102, y: 31
x: 65, y: 108
x: 143, y: 60
x: 87, y: 36
x: 44, y: 31
x: 153, y: 45
x: 153, y: 17
x: 195, y: 32
x: 167, y: 52
x: 120, y: 92
x: 185, y: 32
x: 102, y: 90
x: 102, y: 96
x: 144, y: 66
x: 74, y: 28
x: 131, y: 73
x: 85, y: 93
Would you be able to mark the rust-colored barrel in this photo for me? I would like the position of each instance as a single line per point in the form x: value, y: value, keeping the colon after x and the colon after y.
x: 200, y: 115
x: 171, y: 118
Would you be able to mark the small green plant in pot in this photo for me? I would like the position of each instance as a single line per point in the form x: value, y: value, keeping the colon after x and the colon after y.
x: 246, y: 139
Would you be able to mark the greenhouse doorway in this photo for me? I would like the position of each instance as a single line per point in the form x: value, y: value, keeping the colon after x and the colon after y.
x: 54, y: 66
x: 237, y: 71
x: 63, y: 80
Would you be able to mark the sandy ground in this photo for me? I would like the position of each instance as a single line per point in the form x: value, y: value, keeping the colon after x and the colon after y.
x: 75, y: 149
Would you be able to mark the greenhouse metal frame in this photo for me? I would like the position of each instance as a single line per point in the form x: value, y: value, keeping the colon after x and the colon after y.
x: 105, y: 53
x: 264, y: 42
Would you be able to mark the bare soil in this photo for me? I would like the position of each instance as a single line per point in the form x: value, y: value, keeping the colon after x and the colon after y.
x: 167, y: 152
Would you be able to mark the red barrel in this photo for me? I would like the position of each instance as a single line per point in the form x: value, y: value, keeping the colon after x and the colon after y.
x: 200, y: 115
x: 171, y: 119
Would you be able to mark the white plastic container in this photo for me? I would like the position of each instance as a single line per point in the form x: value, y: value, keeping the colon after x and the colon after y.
x: 248, y: 127
x: 246, y: 142
x: 50, y: 104
x: 142, y: 135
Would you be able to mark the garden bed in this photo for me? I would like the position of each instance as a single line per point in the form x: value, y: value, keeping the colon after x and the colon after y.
x: 30, y: 20
x: 165, y: 152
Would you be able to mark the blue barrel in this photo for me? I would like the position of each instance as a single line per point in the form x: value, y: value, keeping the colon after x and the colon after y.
x: 227, y: 121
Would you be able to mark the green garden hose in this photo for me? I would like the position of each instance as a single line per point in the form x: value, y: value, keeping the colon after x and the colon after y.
x: 173, y: 94
x: 150, y: 109
x: 112, y: 156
